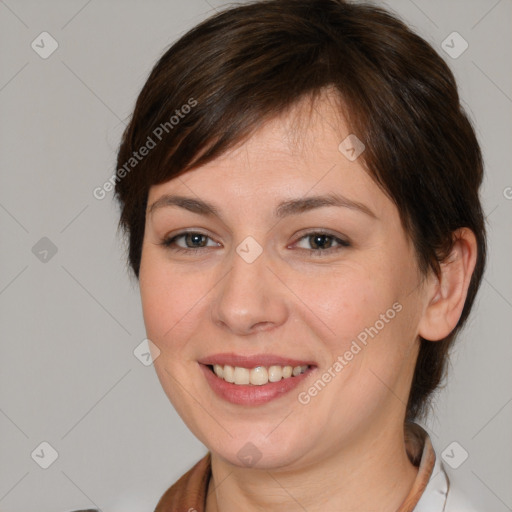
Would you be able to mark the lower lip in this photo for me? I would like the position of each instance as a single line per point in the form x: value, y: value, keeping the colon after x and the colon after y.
x: 250, y: 394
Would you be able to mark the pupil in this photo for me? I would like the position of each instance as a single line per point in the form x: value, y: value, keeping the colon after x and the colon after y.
x: 196, y: 238
x: 319, y: 240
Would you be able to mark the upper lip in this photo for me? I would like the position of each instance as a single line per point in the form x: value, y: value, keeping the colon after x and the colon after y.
x: 253, y: 361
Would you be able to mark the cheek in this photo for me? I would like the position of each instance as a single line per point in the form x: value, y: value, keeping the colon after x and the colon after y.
x: 167, y: 296
x: 176, y: 308
x: 168, y: 308
x: 348, y: 300
x: 366, y: 316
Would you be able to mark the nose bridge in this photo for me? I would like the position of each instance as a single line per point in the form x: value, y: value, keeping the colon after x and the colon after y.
x: 248, y: 295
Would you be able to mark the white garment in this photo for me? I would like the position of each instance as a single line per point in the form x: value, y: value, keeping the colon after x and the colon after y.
x: 442, y: 493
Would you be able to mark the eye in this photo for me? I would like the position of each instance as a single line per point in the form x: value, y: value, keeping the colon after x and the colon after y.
x: 194, y: 241
x: 322, y: 243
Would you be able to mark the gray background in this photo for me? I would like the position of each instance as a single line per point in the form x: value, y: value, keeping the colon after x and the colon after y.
x: 70, y: 323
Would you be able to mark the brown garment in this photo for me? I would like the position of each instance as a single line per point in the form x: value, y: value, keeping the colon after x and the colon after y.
x: 188, y: 494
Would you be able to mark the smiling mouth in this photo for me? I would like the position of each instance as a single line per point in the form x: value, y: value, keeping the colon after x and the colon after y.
x: 257, y: 376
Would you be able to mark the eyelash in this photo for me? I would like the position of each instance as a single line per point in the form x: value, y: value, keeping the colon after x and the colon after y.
x: 168, y: 243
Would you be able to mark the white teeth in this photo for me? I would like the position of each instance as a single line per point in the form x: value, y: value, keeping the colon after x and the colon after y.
x: 275, y: 373
x: 219, y: 370
x: 228, y: 374
x: 241, y: 375
x: 256, y: 376
x: 287, y: 372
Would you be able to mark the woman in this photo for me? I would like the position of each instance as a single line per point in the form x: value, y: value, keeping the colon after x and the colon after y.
x: 299, y: 186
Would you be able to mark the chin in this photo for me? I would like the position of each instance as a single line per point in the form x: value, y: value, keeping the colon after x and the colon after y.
x: 260, y: 452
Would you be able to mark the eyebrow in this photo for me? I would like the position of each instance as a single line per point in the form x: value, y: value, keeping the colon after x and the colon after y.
x: 284, y: 209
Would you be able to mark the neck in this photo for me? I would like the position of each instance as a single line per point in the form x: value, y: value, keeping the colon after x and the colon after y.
x: 373, y: 473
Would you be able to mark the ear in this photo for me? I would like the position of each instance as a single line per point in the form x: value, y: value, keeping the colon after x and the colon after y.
x: 446, y: 295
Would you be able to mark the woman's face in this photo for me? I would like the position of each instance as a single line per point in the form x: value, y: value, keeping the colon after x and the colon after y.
x: 273, y: 276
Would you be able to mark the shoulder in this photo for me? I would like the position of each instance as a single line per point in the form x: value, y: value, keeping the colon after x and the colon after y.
x: 186, y: 494
x: 189, y: 492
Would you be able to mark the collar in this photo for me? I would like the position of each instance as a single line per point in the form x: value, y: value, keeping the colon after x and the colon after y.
x: 430, y: 488
x: 435, y: 494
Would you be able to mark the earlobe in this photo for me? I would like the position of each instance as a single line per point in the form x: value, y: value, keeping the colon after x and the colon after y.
x: 446, y: 294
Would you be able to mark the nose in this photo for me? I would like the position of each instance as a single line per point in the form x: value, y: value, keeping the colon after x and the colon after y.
x: 249, y: 299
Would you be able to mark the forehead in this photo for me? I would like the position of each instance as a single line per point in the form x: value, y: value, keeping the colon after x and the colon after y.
x: 299, y: 153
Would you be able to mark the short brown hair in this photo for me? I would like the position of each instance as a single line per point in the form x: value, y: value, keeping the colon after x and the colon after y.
x: 252, y: 62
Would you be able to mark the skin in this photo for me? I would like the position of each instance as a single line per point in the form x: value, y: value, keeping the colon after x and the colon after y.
x: 289, y: 302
